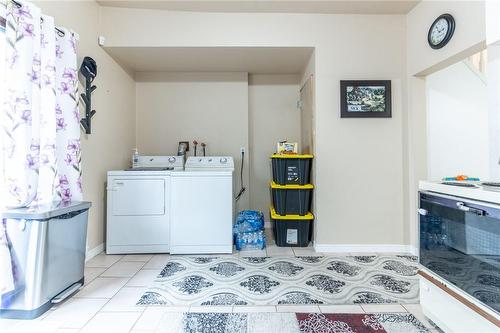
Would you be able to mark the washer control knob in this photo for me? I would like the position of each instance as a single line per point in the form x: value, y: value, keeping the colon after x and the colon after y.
x: 223, y: 160
x: 171, y: 159
x: 199, y: 160
x: 210, y: 160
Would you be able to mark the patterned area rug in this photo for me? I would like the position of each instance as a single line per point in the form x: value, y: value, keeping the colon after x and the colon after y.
x: 284, y: 280
x: 290, y: 323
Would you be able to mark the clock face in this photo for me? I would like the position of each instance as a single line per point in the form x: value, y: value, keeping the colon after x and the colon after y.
x: 438, y: 31
x: 441, y: 31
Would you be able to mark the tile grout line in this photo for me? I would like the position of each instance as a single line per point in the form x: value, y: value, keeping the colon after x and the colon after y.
x: 125, y: 284
x: 109, y: 299
x: 143, y: 264
x: 426, y: 323
x: 384, y: 305
x: 95, y: 314
x: 88, y: 320
x: 407, y: 304
x: 325, y: 305
x: 136, y: 320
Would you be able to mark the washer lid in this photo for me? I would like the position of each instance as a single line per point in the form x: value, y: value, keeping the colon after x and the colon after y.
x: 150, y: 169
x: 44, y: 212
x: 135, y: 173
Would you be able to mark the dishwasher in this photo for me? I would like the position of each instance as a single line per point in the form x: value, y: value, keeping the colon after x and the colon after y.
x: 460, y: 255
x: 47, y: 247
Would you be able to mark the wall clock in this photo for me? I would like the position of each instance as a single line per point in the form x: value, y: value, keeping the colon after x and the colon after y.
x: 441, y: 31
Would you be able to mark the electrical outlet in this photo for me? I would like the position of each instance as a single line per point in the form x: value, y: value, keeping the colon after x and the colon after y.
x: 101, y: 40
x: 242, y: 150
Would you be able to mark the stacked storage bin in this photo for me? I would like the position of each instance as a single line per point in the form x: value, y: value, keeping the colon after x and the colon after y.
x: 291, y: 194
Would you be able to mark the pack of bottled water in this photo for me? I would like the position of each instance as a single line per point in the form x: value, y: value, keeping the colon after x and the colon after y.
x: 248, y: 230
x: 249, y: 221
x: 255, y: 240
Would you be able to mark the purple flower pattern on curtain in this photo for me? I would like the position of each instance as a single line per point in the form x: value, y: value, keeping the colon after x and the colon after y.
x: 68, y: 181
x: 40, y: 136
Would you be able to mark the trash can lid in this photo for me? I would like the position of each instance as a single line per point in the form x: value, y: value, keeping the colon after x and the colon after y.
x: 46, y: 211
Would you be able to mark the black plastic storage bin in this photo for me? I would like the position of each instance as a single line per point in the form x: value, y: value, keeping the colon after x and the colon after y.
x: 292, y: 230
x: 291, y: 199
x: 291, y: 169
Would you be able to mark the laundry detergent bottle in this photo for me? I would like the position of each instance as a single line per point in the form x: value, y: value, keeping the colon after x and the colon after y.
x: 135, y: 158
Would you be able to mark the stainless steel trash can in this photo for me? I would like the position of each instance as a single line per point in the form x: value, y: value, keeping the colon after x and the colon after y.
x: 48, y: 253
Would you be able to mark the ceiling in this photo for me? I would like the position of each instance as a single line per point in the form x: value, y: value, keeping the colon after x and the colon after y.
x: 273, y: 6
x: 254, y: 60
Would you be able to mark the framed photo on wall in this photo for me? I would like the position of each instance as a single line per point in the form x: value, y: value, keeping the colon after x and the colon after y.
x: 365, y: 99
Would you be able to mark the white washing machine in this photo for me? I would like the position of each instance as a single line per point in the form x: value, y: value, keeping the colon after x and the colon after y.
x: 202, y: 206
x: 138, y: 206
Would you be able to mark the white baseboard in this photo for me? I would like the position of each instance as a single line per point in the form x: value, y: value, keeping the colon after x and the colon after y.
x: 365, y: 248
x: 93, y: 252
x: 325, y: 248
x: 361, y: 248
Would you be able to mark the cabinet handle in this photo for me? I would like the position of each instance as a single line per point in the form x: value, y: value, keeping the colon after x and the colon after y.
x: 465, y: 208
x: 423, y: 212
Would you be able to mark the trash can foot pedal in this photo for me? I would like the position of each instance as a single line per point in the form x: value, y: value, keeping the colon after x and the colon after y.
x: 66, y: 293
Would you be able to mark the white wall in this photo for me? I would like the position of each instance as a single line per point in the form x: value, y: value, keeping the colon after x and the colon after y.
x: 457, y: 123
x: 492, y: 9
x: 493, y: 75
x: 421, y: 60
x: 347, y: 154
x: 225, y: 110
x: 273, y: 116
x: 207, y: 107
x: 113, y: 127
x: 307, y: 117
x: 470, y: 32
x: 359, y: 162
x: 307, y: 95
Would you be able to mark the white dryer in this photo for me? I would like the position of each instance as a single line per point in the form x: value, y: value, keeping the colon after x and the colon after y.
x: 138, y: 206
x: 202, y: 206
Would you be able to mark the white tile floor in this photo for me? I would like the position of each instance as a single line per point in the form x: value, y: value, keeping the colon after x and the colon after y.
x: 114, y: 283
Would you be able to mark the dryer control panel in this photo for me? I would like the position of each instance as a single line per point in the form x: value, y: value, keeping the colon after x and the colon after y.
x: 173, y: 162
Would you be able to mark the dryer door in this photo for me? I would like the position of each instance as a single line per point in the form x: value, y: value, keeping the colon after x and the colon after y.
x: 138, y: 197
x: 138, y: 214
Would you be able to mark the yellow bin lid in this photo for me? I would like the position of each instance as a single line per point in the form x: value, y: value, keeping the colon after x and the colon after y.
x: 292, y: 186
x: 291, y: 156
x: 275, y: 216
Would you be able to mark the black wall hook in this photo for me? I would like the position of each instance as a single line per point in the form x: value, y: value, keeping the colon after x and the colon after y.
x: 89, y: 71
x: 87, y: 100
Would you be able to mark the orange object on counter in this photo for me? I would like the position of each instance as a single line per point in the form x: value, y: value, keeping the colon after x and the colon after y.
x: 462, y: 177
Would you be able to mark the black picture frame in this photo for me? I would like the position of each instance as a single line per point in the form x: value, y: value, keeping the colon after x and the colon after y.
x: 346, y: 109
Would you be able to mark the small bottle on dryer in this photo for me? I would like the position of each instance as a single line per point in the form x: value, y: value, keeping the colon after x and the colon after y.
x: 135, y: 158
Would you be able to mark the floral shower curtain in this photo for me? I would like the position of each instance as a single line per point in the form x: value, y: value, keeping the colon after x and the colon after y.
x: 39, y: 117
x: 40, y: 134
